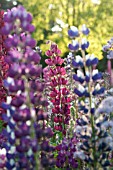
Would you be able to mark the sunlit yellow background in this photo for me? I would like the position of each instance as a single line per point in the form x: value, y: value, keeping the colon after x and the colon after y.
x: 52, y: 19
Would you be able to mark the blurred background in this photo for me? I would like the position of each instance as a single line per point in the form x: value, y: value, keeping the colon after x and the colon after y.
x: 52, y: 19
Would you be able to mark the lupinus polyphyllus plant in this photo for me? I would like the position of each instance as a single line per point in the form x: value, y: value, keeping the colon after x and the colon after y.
x: 3, y: 92
x: 3, y: 65
x: 93, y: 147
x: 27, y: 146
x: 58, y: 92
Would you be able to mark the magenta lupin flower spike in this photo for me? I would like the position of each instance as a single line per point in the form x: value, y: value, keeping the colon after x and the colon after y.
x: 58, y: 92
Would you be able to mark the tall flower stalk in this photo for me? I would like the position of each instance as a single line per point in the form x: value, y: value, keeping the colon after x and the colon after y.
x: 3, y: 91
x: 92, y: 138
x: 58, y: 93
x: 3, y: 65
x: 27, y: 145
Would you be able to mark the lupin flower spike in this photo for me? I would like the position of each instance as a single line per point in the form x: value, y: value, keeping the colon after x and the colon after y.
x: 4, y: 66
x: 87, y: 124
x: 26, y: 118
x: 58, y: 92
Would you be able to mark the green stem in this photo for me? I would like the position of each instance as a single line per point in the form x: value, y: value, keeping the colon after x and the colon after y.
x: 28, y: 103
x: 91, y: 115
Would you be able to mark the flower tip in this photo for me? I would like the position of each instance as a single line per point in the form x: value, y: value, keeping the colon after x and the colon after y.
x: 73, y: 32
x: 85, y: 30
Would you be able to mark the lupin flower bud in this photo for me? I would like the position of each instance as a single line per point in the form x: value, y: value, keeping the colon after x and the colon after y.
x: 85, y: 30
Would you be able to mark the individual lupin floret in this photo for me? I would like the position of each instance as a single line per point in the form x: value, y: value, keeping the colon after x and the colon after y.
x: 78, y: 62
x: 73, y: 32
x: 74, y: 46
x: 79, y: 77
x: 85, y: 30
x: 91, y: 60
x: 80, y: 91
x: 84, y: 44
x: 98, y: 90
x: 96, y: 75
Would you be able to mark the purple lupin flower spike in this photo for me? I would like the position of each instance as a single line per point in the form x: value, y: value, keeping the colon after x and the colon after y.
x: 26, y: 119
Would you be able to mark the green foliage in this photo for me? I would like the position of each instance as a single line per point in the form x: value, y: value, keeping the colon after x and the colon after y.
x: 1, y: 125
x: 8, y: 4
x: 62, y: 14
